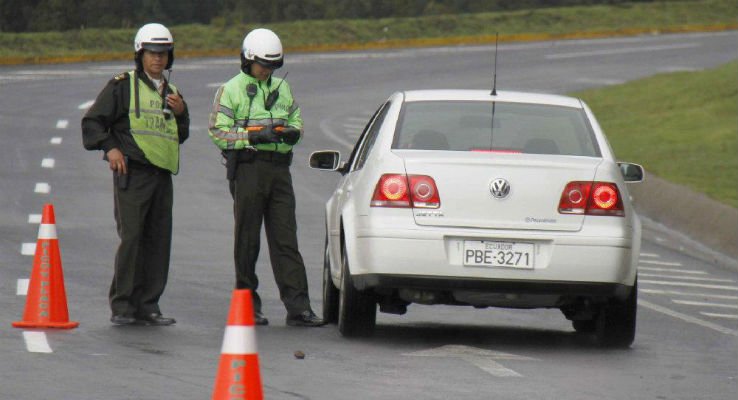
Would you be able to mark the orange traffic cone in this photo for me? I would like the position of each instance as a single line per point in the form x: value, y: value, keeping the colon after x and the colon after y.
x: 238, y: 371
x: 46, y: 302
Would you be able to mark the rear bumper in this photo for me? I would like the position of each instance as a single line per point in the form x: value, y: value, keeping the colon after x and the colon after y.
x: 429, y: 255
x: 501, y: 286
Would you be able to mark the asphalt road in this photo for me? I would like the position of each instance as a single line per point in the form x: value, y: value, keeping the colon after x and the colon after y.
x: 687, y: 341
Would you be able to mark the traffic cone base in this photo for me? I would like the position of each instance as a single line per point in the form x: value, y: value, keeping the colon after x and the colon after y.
x: 46, y: 301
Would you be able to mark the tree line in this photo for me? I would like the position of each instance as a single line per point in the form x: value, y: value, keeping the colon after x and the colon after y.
x: 61, y: 15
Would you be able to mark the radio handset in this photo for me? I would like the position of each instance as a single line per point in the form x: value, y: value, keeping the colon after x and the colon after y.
x: 164, y: 93
x: 274, y: 95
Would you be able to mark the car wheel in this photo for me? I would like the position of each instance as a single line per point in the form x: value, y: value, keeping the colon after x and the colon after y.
x: 585, y: 326
x: 357, y: 312
x: 616, y: 323
x: 330, y: 293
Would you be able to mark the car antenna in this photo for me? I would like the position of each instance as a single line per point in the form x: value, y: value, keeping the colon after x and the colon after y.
x: 494, y: 93
x: 494, y: 74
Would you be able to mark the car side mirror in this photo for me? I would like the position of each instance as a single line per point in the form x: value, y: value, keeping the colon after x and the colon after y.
x: 631, y: 172
x: 326, y: 160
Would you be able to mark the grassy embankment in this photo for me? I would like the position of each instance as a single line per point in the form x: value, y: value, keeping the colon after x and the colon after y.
x: 681, y: 126
x: 221, y: 38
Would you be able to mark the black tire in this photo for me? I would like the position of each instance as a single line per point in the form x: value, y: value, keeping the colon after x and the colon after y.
x: 585, y: 326
x: 357, y: 312
x: 330, y: 292
x: 616, y: 324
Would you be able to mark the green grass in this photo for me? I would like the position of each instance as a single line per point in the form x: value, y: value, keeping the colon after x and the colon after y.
x: 681, y: 126
x: 225, y: 38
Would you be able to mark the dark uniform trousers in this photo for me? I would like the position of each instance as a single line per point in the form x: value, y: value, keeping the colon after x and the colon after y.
x: 263, y: 190
x: 143, y: 214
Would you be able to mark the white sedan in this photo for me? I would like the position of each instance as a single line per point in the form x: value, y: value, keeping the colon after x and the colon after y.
x: 461, y: 197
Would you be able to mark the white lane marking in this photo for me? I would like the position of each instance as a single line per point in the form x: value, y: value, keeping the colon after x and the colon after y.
x: 62, y: 124
x: 34, y: 218
x: 22, y: 287
x: 680, y: 271
x: 483, y: 359
x: 325, y: 127
x: 353, y: 127
x: 678, y: 69
x: 42, y: 187
x: 28, y: 249
x: 650, y: 255
x: 55, y: 140
x: 215, y: 85
x: 48, y: 163
x: 624, y: 50
x: 36, y: 342
x: 697, y: 285
x: 600, y: 81
x: 685, y: 294
x: 673, y: 264
x: 704, y: 304
x: 718, y: 315
x: 86, y: 105
x: 687, y: 278
x: 687, y: 318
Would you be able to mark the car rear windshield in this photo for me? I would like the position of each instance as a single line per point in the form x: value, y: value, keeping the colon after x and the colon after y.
x: 517, y: 128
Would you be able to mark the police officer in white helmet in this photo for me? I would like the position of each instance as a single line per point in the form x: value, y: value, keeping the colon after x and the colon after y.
x: 255, y: 122
x: 139, y: 120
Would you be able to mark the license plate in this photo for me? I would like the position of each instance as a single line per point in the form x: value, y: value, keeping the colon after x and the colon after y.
x: 484, y: 253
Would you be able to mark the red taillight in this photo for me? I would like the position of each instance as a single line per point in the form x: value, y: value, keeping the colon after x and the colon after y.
x: 396, y: 190
x: 591, y: 198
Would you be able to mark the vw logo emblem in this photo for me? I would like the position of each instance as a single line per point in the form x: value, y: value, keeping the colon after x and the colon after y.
x: 499, y: 188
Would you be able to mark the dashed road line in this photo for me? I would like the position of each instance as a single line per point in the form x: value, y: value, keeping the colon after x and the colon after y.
x: 36, y: 342
x: 687, y: 278
x: 22, y: 287
x: 687, y: 284
x: 48, y: 163
x: 681, y: 271
x: 687, y: 318
x: 62, y: 124
x: 704, y: 304
x: 673, y: 264
x: 34, y: 218
x: 42, y: 187
x: 55, y: 140
x: 650, y: 255
x: 685, y: 294
x: 28, y: 249
x: 718, y: 315
x: 86, y: 105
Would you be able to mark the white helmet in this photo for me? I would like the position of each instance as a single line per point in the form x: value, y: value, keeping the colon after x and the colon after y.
x: 154, y: 37
x: 263, y: 47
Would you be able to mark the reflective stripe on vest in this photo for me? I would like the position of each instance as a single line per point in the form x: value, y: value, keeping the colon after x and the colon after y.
x: 156, y: 136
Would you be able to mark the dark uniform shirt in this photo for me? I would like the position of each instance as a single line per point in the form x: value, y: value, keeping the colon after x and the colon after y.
x: 105, y: 126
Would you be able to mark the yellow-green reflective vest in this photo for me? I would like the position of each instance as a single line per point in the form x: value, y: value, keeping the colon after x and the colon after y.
x: 155, y: 135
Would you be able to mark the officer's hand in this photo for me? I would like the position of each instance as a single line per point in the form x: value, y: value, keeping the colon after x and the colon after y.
x: 176, y: 104
x: 117, y: 161
x: 262, y: 136
x: 289, y: 135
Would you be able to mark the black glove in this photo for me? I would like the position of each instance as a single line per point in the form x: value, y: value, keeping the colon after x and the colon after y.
x: 262, y: 136
x: 289, y: 135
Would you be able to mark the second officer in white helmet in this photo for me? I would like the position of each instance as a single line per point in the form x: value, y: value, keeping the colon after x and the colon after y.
x: 138, y: 121
x: 255, y: 122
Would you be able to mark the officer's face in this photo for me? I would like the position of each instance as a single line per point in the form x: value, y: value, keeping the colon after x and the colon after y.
x: 260, y: 72
x: 154, y: 62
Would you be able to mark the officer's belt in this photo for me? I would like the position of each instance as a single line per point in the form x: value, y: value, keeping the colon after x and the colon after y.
x: 248, y: 156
